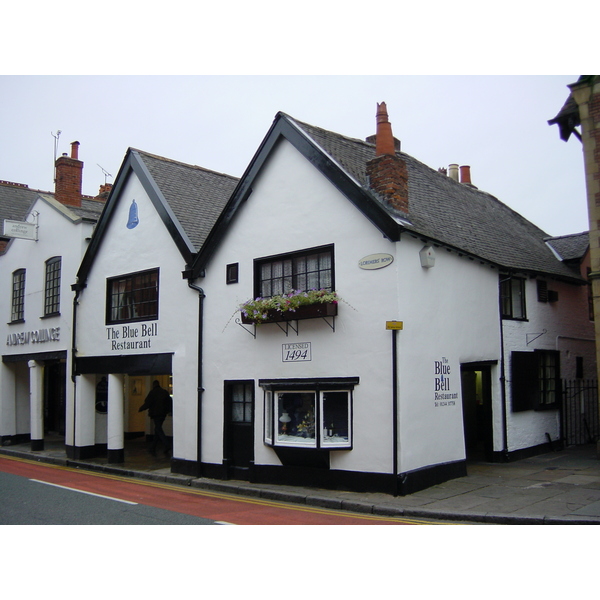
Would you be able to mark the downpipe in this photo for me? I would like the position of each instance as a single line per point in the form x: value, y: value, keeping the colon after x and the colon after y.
x: 201, y: 296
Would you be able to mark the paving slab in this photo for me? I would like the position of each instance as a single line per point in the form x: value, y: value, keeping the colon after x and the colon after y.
x: 590, y: 510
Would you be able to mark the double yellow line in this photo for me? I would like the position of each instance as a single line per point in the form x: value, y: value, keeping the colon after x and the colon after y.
x: 230, y: 497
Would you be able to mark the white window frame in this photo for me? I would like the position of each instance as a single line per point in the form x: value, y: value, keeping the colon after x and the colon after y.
x: 313, y: 432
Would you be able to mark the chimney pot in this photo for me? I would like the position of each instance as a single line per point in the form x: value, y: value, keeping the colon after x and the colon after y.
x: 387, y: 173
x: 465, y: 174
x: 75, y: 150
x: 104, y: 192
x: 384, y: 143
x: 453, y: 171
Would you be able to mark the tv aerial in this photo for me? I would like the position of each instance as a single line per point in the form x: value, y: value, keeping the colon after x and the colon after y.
x: 106, y: 173
x: 55, y: 136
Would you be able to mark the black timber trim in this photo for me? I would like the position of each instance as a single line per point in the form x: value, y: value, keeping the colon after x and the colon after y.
x: 39, y: 356
x: 310, y: 383
x: 282, y: 128
x: 133, y: 164
x: 132, y: 364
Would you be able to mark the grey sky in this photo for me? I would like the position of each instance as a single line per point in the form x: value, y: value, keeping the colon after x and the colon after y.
x: 495, y: 124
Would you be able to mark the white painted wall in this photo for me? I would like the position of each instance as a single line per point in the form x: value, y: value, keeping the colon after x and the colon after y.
x: 124, y: 251
x: 450, y: 312
x: 293, y: 207
x: 59, y: 234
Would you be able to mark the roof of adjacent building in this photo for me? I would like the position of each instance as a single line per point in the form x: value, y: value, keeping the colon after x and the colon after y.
x: 571, y: 247
x: 17, y: 199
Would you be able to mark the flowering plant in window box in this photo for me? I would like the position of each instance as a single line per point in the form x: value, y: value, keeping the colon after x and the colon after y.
x: 292, y: 306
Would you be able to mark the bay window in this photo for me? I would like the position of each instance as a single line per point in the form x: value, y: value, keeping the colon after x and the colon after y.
x: 309, y: 414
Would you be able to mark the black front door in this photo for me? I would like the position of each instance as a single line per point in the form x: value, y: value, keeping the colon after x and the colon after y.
x: 239, y: 428
x: 476, y: 384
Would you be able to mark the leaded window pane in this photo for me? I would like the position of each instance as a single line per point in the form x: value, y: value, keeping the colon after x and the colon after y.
x: 52, y: 286
x: 133, y: 297
x: 302, y: 272
x: 18, y: 296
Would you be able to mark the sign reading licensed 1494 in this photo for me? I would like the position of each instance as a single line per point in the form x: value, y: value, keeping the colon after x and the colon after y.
x: 298, y: 352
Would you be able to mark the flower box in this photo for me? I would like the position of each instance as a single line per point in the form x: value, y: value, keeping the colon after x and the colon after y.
x: 308, y: 311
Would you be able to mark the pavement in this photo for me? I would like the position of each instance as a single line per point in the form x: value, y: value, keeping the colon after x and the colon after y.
x: 559, y: 487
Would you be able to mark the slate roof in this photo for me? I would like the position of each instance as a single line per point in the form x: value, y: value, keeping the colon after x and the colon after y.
x: 570, y: 247
x: 453, y: 214
x: 17, y: 199
x: 195, y: 195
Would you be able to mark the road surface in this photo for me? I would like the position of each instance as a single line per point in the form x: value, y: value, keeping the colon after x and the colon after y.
x: 41, y: 494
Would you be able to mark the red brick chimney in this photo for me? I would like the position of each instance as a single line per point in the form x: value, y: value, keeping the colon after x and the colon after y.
x: 104, y: 192
x: 387, y: 172
x: 69, y: 173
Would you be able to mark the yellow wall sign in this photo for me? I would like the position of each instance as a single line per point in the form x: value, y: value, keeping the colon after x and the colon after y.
x: 394, y: 324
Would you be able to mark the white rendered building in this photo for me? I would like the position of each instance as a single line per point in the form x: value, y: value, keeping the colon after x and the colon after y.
x: 47, y: 234
x: 410, y: 373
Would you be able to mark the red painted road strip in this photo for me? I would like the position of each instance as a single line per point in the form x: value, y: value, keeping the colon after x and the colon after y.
x: 209, y: 505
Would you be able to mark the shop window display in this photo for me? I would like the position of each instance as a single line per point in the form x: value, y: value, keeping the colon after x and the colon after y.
x: 308, y: 419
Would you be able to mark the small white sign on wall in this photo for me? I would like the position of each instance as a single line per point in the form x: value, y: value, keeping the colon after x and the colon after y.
x: 20, y: 229
x: 298, y: 352
x: 375, y: 261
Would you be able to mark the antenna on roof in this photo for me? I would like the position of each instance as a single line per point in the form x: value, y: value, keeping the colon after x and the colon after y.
x: 55, y: 136
x: 106, y: 173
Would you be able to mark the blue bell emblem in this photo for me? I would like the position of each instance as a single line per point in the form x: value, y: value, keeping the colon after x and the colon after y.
x: 133, y: 216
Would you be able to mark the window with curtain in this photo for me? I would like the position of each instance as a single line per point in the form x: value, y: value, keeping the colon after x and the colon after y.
x: 132, y: 297
x: 299, y: 271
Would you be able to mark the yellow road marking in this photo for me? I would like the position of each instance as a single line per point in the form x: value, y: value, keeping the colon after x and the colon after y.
x: 224, y: 495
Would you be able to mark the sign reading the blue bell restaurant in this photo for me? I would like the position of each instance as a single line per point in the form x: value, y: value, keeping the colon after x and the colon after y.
x: 131, y: 337
x: 443, y: 382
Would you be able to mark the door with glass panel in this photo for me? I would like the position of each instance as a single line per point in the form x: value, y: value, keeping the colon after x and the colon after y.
x: 239, y: 428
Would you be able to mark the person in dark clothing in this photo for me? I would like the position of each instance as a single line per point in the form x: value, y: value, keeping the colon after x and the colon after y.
x: 158, y: 403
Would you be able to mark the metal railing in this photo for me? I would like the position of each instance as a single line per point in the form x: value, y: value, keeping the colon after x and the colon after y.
x: 579, y: 412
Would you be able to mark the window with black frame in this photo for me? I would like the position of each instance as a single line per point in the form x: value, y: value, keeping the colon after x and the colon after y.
x: 17, y: 312
x: 52, y: 286
x: 535, y: 380
x: 299, y: 271
x: 512, y: 296
x: 132, y: 297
